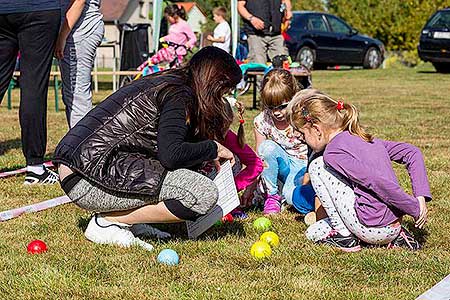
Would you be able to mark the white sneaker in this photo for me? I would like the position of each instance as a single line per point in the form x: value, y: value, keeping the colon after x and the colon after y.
x: 102, y: 231
x: 148, y: 231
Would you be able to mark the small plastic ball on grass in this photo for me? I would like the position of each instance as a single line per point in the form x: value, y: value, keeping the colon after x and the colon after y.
x: 260, y: 250
x: 228, y: 218
x: 262, y: 224
x: 168, y: 257
x: 36, y: 247
x: 270, y: 238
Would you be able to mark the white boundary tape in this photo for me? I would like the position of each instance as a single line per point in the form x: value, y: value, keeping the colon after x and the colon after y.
x: 441, y: 291
x: 14, y: 213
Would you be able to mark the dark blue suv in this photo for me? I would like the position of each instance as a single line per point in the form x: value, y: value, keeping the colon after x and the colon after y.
x: 434, y: 43
x: 319, y: 40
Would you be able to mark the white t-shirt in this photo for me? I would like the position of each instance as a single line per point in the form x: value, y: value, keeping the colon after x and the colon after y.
x: 223, y: 30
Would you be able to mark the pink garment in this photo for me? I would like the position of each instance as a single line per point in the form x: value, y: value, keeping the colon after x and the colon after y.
x: 248, y: 157
x: 182, y: 34
x: 165, y: 54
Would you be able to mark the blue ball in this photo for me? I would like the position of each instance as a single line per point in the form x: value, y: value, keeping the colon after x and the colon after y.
x: 168, y: 257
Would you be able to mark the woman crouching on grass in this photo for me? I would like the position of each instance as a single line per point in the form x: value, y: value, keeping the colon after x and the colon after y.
x: 354, y: 179
x: 129, y: 159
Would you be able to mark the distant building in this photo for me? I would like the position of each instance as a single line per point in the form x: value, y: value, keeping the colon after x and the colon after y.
x: 196, y: 16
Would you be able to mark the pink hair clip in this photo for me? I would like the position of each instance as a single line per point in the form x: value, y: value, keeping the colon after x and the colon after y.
x: 340, y: 105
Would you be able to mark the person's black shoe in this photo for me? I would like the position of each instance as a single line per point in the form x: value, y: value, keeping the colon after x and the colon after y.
x: 405, y: 240
x: 345, y: 243
x: 48, y: 177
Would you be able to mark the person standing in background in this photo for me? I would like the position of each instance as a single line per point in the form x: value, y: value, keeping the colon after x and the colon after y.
x: 222, y: 32
x: 30, y: 27
x: 81, y: 33
x: 262, y: 23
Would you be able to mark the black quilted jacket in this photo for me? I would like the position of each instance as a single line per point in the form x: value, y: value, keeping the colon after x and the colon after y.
x: 115, y: 144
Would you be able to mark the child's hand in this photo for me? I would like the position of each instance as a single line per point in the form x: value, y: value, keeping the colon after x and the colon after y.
x: 423, y: 216
x: 209, y: 37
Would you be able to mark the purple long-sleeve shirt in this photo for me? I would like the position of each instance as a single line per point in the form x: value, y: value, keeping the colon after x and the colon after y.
x: 380, y: 200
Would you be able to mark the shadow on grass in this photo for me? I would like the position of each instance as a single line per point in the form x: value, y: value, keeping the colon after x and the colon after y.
x: 179, y: 230
x: 427, y: 72
x: 9, y: 145
x: 421, y: 235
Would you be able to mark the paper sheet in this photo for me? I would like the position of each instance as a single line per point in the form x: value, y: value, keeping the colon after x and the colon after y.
x: 228, y: 200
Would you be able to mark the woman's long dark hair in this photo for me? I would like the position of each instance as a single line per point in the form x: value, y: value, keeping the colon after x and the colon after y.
x: 212, y: 73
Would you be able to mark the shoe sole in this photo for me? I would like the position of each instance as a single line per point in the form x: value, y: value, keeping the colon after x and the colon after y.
x: 310, y: 218
x: 350, y: 250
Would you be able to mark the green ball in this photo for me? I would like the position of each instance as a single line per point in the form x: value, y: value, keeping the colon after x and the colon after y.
x: 262, y: 224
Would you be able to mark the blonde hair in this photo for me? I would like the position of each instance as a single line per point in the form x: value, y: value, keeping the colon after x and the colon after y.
x: 315, y: 107
x: 278, y: 87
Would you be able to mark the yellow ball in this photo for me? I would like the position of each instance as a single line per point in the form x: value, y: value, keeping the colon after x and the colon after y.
x: 270, y: 238
x: 260, y: 250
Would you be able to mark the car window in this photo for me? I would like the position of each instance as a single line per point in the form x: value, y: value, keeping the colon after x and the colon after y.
x: 338, y: 26
x: 316, y: 23
x: 440, y: 20
x: 298, y: 21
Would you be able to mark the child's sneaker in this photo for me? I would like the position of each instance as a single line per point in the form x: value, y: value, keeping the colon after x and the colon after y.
x: 345, y: 243
x: 48, y: 177
x: 102, y: 231
x: 405, y: 240
x: 272, y: 204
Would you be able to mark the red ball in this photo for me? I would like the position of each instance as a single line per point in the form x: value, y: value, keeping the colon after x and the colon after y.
x: 36, y: 247
x: 227, y: 218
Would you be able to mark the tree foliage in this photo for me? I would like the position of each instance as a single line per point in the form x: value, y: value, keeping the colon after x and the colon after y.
x: 397, y: 23
x: 315, y: 5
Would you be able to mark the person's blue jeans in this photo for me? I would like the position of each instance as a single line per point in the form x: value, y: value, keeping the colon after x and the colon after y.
x: 281, y: 166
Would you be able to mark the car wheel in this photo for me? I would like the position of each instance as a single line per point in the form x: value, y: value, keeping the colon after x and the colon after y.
x: 442, y: 67
x: 372, y: 59
x: 306, y: 57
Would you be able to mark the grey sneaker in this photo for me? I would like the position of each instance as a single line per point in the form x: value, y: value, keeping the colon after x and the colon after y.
x: 147, y: 231
x: 405, y: 240
x: 345, y: 243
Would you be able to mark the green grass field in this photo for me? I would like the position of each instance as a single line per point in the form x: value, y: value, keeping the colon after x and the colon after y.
x: 411, y: 105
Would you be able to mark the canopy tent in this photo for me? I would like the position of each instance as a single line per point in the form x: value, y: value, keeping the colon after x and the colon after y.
x: 156, y: 24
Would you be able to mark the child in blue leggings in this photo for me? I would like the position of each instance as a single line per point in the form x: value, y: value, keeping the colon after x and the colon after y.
x: 283, y: 151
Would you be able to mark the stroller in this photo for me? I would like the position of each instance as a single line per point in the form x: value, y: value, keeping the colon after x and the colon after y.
x: 146, y: 69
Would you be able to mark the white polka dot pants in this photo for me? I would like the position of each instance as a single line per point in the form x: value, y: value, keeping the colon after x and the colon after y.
x: 338, y: 200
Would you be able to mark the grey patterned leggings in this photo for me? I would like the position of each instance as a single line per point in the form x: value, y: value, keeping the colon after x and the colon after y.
x: 186, y: 194
x: 338, y: 200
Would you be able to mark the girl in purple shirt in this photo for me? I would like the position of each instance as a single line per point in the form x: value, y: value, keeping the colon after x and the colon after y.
x: 354, y: 179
